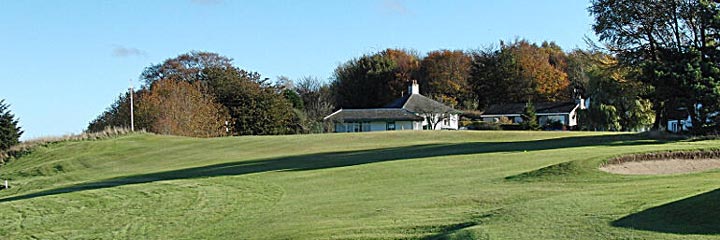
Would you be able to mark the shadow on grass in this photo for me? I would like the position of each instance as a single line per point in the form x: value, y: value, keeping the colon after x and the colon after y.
x: 349, y: 158
x: 698, y: 214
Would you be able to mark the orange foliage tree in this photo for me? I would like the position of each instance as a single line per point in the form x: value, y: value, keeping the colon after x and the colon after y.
x: 444, y: 76
x: 407, y: 63
x: 542, y: 68
x: 181, y: 108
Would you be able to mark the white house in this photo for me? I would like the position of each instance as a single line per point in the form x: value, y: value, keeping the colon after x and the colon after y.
x: 681, y: 121
x: 679, y: 125
x: 411, y: 112
x: 562, y: 112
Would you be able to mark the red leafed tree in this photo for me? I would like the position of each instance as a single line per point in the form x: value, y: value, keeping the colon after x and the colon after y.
x: 444, y: 76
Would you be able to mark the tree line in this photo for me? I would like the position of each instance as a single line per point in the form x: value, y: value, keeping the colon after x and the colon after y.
x: 656, y: 61
x: 203, y: 94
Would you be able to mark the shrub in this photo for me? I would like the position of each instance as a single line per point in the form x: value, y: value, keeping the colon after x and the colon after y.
x: 513, y: 127
x: 554, y: 125
x: 472, y: 115
x: 480, y: 125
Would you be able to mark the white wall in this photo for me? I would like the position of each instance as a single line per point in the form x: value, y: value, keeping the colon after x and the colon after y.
x: 681, y: 125
x: 452, y: 123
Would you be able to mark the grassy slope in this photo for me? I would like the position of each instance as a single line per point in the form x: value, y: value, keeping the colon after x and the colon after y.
x: 354, y: 186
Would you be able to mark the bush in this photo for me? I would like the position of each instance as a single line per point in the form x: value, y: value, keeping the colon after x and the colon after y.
x: 555, y: 125
x: 512, y: 127
x: 472, y: 115
x: 480, y: 125
x: 465, y: 123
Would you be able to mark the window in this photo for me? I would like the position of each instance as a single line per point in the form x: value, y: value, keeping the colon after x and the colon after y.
x: 390, y: 126
x: 365, y: 126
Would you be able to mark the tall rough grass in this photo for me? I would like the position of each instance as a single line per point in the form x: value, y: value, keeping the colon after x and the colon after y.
x: 688, y: 155
x: 26, y: 147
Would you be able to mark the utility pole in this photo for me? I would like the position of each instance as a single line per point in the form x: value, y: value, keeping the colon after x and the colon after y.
x: 132, y: 117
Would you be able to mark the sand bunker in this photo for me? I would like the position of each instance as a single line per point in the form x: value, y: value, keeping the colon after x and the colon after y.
x: 667, y: 166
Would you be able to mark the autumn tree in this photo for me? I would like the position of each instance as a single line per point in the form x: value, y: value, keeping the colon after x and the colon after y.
x: 519, y: 72
x: 541, y: 69
x: 444, y: 76
x: 181, y: 108
x: 407, y: 64
x: 10, y: 132
x: 253, y: 104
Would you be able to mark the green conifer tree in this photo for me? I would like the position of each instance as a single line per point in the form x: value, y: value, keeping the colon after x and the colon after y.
x: 529, y: 117
x: 9, y: 130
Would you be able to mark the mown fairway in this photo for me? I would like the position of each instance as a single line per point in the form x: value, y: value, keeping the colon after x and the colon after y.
x: 417, y: 185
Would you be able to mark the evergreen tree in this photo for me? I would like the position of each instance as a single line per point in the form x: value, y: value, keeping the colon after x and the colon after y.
x: 529, y: 117
x: 9, y: 130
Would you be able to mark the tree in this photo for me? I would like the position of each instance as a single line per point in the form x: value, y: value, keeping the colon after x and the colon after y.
x: 185, y: 67
x: 541, y: 69
x: 519, y: 72
x: 494, y: 78
x: 675, y: 45
x: 577, y: 68
x: 10, y: 132
x: 444, y: 76
x: 617, y: 102
x: 407, y: 63
x: 118, y: 114
x: 367, y: 82
x: 318, y: 102
x: 256, y: 107
x: 180, y: 108
x: 294, y: 98
x: 529, y: 117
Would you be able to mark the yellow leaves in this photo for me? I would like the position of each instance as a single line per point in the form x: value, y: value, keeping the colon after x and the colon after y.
x: 180, y: 108
x: 535, y: 66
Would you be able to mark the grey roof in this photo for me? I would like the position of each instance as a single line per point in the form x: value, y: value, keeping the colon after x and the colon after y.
x: 418, y: 103
x: 373, y: 114
x: 540, y: 108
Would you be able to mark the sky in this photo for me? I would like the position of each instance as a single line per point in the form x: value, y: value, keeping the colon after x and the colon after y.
x: 62, y: 63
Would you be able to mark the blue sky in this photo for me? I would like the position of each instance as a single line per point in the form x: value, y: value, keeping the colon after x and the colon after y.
x: 63, y: 62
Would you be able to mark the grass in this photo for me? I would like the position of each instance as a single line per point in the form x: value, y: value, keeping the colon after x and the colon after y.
x: 392, y: 185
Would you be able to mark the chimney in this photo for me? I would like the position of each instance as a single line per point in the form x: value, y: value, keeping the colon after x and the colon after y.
x: 584, y: 103
x: 414, y: 88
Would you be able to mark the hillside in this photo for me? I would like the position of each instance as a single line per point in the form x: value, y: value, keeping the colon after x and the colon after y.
x: 418, y: 185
